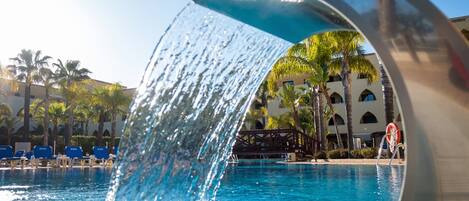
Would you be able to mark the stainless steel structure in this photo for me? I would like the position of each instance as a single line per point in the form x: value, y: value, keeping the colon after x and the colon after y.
x: 427, y: 60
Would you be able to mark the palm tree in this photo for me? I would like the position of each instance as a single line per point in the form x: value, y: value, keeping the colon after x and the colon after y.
x: 116, y: 103
x: 8, y: 120
x: 282, y: 121
x: 348, y: 58
x: 310, y: 57
x: 6, y: 79
x: 85, y: 112
x: 388, y: 96
x: 254, y: 114
x: 25, y: 68
x: 47, y: 78
x: 98, y: 102
x: 57, y: 116
x: 67, y: 74
x: 290, y: 98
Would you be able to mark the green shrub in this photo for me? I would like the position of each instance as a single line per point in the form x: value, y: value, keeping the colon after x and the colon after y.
x: 333, y: 154
x: 357, y: 153
x: 369, y: 153
x: 337, y: 154
x: 320, y: 155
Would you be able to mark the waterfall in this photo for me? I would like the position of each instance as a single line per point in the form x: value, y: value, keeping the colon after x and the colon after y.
x: 189, y: 107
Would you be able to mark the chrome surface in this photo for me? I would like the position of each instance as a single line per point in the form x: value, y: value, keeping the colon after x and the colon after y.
x: 428, y: 62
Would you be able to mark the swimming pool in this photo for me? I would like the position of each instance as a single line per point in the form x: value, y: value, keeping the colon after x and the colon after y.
x: 244, y: 181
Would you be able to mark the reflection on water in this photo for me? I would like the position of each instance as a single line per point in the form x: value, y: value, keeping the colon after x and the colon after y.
x: 189, y: 106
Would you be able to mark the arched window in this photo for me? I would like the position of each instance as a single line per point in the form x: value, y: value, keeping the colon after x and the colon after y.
x: 259, y: 125
x: 106, y: 133
x: 368, y: 118
x: 335, y: 78
x: 366, y: 96
x: 338, y: 118
x: 362, y: 76
x: 336, y: 98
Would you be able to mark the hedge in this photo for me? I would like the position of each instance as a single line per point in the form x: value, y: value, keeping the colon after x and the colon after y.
x: 320, y: 155
x: 337, y: 154
x: 86, y: 142
x: 369, y: 153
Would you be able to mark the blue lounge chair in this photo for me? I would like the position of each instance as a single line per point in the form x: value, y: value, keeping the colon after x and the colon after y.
x: 6, y: 152
x: 6, y: 156
x: 75, y: 153
x: 28, y: 155
x: 43, y: 154
x: 19, y: 154
x: 101, y: 154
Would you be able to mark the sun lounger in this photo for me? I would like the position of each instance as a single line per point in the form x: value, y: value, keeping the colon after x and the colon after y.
x: 101, y: 154
x: 19, y: 154
x: 7, y: 157
x: 43, y: 154
x: 74, y: 154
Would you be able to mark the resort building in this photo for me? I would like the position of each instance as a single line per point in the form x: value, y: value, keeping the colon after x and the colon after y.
x: 13, y: 95
x: 368, y: 114
x: 462, y: 23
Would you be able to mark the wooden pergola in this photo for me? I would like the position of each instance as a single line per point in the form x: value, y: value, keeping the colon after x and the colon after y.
x: 273, y: 142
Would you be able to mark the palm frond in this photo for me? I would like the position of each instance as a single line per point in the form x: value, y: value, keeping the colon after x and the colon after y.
x: 290, y: 65
x: 359, y: 64
x: 297, y: 50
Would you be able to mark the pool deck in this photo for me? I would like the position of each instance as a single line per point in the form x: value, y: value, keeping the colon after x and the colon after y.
x: 345, y: 162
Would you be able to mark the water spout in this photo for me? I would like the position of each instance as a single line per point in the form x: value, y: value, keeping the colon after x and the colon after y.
x: 189, y: 107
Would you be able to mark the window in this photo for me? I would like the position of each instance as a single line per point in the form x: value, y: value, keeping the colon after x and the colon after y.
x: 366, y: 96
x: 368, y: 118
x: 107, y: 117
x: 336, y: 98
x: 289, y: 82
x: 334, y: 78
x: 338, y: 119
x: 259, y: 125
x: 362, y: 76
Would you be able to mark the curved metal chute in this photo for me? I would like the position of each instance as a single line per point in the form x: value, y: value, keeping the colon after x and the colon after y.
x: 426, y: 58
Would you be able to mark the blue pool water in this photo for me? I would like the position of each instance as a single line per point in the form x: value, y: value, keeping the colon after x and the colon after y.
x: 245, y: 181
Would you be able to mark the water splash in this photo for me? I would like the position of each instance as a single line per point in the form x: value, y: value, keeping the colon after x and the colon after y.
x: 189, y: 107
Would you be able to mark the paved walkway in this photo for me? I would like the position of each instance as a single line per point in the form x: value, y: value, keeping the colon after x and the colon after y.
x: 350, y: 162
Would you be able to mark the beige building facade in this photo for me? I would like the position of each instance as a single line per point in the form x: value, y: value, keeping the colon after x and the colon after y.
x: 368, y: 114
x: 14, y: 97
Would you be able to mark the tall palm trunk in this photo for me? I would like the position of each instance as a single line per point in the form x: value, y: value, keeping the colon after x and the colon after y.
x: 46, y: 118
x: 99, y: 137
x: 321, y: 123
x: 296, y: 118
x: 69, y: 124
x: 316, y: 118
x: 86, y: 127
x: 27, y: 102
x: 329, y: 104
x: 388, y: 96
x: 264, y: 103
x: 54, y: 131
x: 113, y: 132
x: 9, y: 136
x: 346, y: 83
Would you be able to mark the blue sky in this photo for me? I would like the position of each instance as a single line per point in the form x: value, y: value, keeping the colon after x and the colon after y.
x: 113, y: 38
